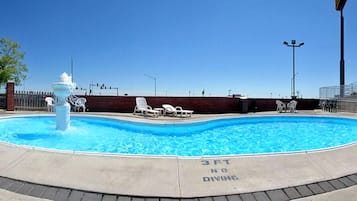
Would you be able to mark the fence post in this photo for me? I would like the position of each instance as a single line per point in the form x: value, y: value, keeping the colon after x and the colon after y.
x: 10, y: 95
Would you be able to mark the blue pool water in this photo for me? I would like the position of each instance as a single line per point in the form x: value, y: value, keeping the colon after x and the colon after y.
x: 246, y: 135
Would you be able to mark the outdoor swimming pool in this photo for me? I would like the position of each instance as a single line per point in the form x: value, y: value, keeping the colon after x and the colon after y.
x: 228, y: 136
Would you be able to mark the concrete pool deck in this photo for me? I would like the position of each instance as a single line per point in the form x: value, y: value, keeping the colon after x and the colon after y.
x: 181, y: 177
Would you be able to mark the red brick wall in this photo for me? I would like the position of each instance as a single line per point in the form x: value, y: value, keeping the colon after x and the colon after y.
x: 10, y: 96
x: 198, y: 104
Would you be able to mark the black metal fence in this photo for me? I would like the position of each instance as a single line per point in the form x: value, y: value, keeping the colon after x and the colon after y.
x: 2, y: 101
x: 31, y: 100
x: 2, y: 98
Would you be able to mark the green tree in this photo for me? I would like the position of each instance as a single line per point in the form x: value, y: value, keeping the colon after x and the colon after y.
x: 11, y: 65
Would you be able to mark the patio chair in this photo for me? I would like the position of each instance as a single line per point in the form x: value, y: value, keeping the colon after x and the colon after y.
x: 71, y: 100
x: 50, y: 104
x: 143, y: 108
x: 291, y: 106
x: 176, y: 111
x: 280, y: 106
x: 80, y: 105
x: 323, y: 105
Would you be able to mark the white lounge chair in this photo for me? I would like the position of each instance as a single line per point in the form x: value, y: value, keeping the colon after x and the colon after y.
x: 280, y: 106
x: 50, y: 104
x: 176, y: 111
x: 80, y: 104
x: 143, y: 108
x: 77, y: 103
x: 291, y: 106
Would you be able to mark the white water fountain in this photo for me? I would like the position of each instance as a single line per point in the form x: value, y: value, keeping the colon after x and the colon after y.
x: 62, y: 90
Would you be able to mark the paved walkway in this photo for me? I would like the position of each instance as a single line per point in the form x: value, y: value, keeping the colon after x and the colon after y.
x: 344, y: 188
x: 55, y: 175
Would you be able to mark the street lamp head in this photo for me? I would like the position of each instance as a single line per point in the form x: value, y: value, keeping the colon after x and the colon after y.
x: 293, y: 42
x: 285, y: 43
x: 301, y: 44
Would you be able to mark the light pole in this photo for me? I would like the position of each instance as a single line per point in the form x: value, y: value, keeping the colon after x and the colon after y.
x: 72, y: 76
x: 153, y: 78
x: 116, y: 89
x: 293, y: 45
x: 340, y: 4
x: 91, y: 85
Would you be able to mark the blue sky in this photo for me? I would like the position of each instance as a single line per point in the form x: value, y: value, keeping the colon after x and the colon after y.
x: 188, y: 45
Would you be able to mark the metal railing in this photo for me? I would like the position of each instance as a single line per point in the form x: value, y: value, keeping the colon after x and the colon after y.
x: 336, y: 91
x: 31, y: 100
x: 345, y: 103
